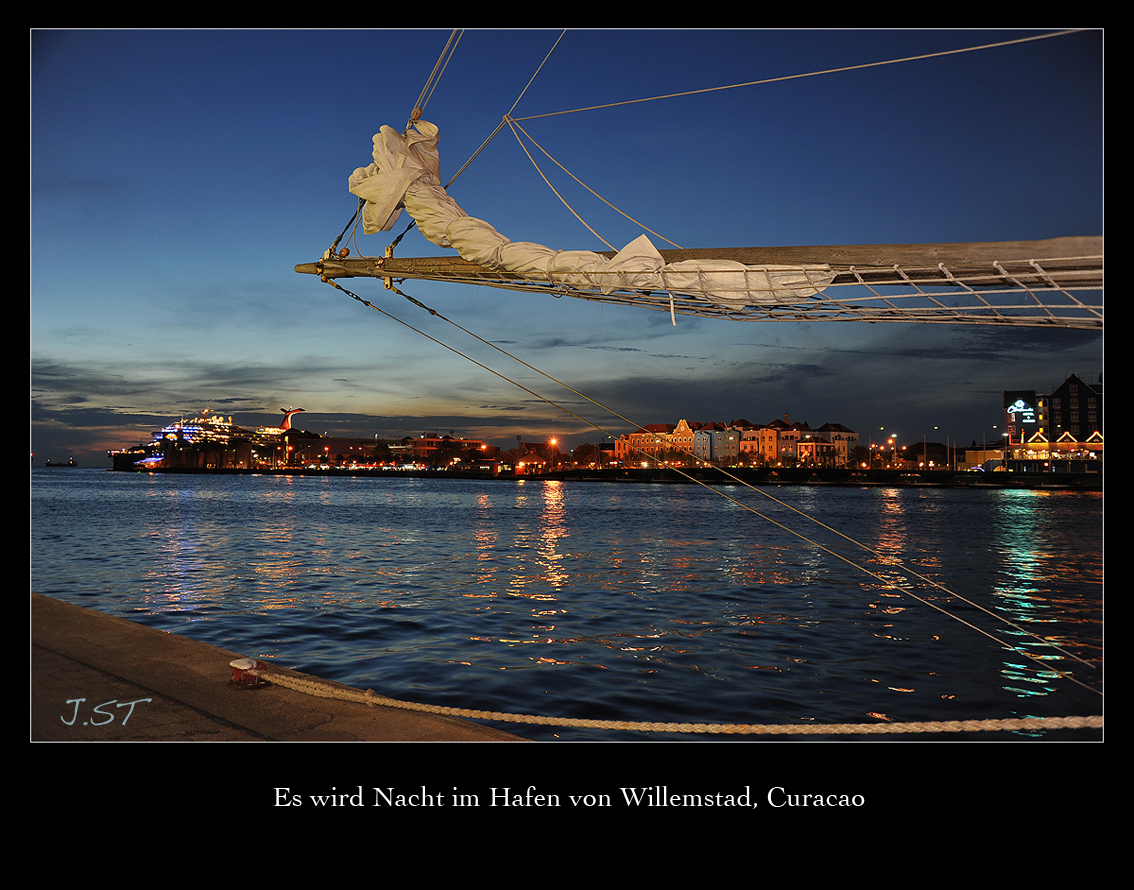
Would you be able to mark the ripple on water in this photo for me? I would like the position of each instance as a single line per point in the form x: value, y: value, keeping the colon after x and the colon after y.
x: 597, y: 601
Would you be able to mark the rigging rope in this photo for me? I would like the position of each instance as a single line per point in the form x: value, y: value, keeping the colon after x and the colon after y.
x: 857, y: 728
x: 515, y: 126
x: 734, y: 86
x: 419, y: 106
x: 887, y: 583
x: 435, y: 75
x: 753, y: 83
x: 937, y: 311
x: 537, y: 71
x: 559, y: 196
x: 506, y: 117
x: 974, y: 296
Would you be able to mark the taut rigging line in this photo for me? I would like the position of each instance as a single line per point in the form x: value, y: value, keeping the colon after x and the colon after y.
x: 423, y: 98
x: 887, y: 583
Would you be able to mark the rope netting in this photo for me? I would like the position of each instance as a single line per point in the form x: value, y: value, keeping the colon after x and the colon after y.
x: 1055, y: 283
x: 1044, y: 292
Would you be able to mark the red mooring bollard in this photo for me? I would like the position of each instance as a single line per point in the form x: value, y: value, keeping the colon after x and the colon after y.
x: 246, y: 671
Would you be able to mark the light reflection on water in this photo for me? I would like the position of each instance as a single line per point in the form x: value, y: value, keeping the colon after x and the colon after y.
x: 1035, y: 564
x: 599, y: 600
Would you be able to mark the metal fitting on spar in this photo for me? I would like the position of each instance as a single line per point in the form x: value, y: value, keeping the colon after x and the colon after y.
x: 247, y: 671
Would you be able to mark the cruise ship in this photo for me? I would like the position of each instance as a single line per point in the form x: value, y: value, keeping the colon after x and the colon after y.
x: 210, y: 441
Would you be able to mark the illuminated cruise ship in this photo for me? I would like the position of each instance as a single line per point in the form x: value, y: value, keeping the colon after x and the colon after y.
x: 212, y: 441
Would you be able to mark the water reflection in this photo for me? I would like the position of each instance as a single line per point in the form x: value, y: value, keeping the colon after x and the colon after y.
x: 538, y: 565
x: 553, y: 528
x: 1037, y: 560
x: 893, y: 526
x: 595, y: 600
x: 485, y: 538
x: 177, y: 573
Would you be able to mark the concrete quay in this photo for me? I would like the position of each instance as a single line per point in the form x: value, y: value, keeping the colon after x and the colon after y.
x: 98, y: 678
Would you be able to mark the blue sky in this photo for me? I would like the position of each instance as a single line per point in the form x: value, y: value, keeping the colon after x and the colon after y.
x: 177, y: 178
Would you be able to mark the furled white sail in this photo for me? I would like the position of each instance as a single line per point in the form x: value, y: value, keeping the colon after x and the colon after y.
x: 406, y: 173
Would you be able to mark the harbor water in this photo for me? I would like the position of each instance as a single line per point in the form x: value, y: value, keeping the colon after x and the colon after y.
x: 653, y: 603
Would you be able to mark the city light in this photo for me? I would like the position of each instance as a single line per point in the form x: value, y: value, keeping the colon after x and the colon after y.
x: 210, y: 442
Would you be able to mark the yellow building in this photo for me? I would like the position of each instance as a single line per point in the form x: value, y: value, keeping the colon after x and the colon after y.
x: 646, y: 443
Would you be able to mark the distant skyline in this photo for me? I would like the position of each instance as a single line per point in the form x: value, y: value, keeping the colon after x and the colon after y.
x: 179, y: 176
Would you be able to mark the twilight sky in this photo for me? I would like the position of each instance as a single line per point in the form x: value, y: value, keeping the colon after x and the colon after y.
x: 177, y: 178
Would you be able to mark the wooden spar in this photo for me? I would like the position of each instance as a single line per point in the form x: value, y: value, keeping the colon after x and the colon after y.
x: 1073, y: 261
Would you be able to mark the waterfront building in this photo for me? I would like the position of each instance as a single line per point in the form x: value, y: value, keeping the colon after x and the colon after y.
x: 1055, y: 430
x: 434, y: 450
x: 646, y: 443
x: 750, y: 445
x: 1021, y: 415
x: 726, y: 447
x: 716, y: 444
x: 767, y: 449
x: 681, y: 439
x: 788, y: 436
x: 843, y: 442
x: 1064, y: 448
x: 814, y: 450
x: 740, y: 441
x: 311, y: 451
x: 1075, y: 407
x: 703, y: 440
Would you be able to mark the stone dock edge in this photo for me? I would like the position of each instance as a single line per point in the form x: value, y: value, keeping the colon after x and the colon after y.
x: 97, y: 677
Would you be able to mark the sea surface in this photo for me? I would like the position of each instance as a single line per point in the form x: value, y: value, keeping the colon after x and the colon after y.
x: 652, y: 603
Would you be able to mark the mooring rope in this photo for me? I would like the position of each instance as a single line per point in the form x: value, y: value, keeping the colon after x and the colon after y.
x: 371, y: 699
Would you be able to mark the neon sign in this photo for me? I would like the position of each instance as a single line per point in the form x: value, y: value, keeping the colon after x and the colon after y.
x: 1020, y: 407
